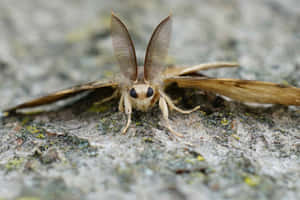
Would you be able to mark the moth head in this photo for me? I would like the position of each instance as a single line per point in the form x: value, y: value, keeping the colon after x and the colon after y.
x: 141, y: 91
x: 142, y: 96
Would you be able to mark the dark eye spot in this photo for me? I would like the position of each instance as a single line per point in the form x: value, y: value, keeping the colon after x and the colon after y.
x: 149, y: 92
x: 133, y: 93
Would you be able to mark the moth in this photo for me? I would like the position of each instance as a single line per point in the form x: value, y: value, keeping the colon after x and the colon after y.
x: 143, y: 87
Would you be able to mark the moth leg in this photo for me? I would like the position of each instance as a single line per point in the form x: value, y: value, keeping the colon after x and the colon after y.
x: 164, y: 109
x: 121, y: 103
x: 114, y: 95
x: 173, y: 106
x: 128, y: 111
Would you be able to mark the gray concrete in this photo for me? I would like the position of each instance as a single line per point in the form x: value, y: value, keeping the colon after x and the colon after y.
x: 230, y: 150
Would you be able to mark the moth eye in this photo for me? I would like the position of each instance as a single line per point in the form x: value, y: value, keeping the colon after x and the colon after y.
x: 133, y: 93
x: 149, y: 92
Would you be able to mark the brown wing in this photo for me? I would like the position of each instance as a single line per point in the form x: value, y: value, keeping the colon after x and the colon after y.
x: 243, y: 90
x: 60, y: 95
x: 180, y: 71
x: 123, y: 48
x: 157, y: 50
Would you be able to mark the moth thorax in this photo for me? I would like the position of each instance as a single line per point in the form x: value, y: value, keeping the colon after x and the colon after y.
x: 142, y: 96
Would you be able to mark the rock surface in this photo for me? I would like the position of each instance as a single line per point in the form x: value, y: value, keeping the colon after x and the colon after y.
x: 230, y: 150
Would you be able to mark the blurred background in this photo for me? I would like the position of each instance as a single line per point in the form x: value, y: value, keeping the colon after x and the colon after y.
x: 50, y: 45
